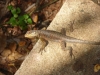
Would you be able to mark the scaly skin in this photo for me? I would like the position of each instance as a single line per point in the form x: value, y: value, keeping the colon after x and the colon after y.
x: 50, y: 35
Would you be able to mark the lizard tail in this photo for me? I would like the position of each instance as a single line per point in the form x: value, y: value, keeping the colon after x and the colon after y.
x: 89, y: 42
x: 74, y: 40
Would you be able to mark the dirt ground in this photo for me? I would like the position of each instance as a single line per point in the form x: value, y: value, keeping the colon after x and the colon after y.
x: 14, y: 47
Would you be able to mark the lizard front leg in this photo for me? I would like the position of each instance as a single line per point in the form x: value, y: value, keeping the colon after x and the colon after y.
x: 44, y: 44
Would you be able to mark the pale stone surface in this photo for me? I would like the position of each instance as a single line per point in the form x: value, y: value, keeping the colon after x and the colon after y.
x: 55, y: 61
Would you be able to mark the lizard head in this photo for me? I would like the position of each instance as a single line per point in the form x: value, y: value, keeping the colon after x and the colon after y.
x: 31, y: 34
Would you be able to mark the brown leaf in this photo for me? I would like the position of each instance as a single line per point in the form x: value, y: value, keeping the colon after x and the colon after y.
x: 2, y: 42
x: 6, y: 53
x: 35, y: 18
x: 22, y: 43
x: 96, y: 67
x: 12, y: 46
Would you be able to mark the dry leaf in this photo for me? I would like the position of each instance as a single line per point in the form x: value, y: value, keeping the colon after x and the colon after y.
x: 35, y: 18
x: 12, y: 46
x: 96, y: 67
x: 22, y: 43
x: 6, y: 52
x: 2, y: 42
x: 14, y: 56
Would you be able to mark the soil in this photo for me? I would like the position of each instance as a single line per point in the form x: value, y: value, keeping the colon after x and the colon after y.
x: 14, y: 47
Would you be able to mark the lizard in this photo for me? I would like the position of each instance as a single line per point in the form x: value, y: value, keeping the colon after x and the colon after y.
x: 55, y: 36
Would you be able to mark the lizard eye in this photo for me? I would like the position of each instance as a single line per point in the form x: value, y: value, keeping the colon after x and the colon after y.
x: 28, y: 32
x: 35, y: 34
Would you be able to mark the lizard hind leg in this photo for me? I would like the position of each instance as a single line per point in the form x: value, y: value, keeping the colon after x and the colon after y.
x: 63, y: 47
x: 44, y: 44
x: 63, y: 31
x: 71, y: 51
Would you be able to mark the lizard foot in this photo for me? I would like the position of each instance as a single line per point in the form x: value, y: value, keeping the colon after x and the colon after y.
x: 71, y: 51
x: 41, y: 51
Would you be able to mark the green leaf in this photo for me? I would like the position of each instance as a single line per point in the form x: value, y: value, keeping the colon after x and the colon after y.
x: 12, y: 21
x: 15, y: 15
x: 18, y: 10
x: 29, y: 21
x: 21, y: 23
x: 23, y: 27
x: 13, y: 11
x: 19, y: 20
x: 20, y: 17
x: 26, y: 16
x: 10, y: 7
